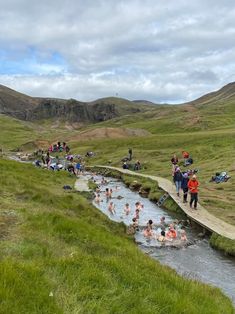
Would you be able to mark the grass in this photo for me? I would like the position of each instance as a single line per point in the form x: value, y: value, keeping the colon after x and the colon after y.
x: 61, y: 255
x: 212, y: 152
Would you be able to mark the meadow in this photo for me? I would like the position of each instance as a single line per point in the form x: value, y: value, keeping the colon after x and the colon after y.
x: 59, y: 254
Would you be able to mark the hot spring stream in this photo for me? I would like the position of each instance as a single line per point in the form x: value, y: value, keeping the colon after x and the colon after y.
x: 197, y: 261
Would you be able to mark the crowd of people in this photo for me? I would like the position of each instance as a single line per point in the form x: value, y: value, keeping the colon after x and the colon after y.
x: 74, y: 164
x: 185, y: 180
x: 160, y: 231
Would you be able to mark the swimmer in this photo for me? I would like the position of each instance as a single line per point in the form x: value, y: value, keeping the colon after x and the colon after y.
x: 137, y: 212
x: 111, y: 208
x: 150, y: 224
x: 98, y: 199
x: 148, y: 232
x: 171, y: 234
x: 137, y: 205
x: 110, y: 193
x: 127, y: 209
x: 183, y: 236
x: 107, y: 192
x: 135, y: 223
x: 162, y: 236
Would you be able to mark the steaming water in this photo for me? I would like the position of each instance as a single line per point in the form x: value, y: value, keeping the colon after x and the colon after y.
x: 197, y: 261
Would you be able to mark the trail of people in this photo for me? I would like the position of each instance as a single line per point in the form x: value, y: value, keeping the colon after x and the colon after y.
x: 201, y: 216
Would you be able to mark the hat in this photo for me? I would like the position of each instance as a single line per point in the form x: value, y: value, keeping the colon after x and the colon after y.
x: 185, y: 175
x: 194, y: 177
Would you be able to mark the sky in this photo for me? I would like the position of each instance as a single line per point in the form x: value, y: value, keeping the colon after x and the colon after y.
x: 165, y: 51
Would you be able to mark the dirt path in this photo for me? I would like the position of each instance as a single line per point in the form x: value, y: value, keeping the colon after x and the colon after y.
x: 201, y: 215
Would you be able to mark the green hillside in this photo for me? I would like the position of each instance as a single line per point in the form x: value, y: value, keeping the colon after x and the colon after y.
x: 61, y: 255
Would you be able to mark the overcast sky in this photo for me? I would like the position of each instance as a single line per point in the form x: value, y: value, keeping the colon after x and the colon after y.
x: 162, y: 51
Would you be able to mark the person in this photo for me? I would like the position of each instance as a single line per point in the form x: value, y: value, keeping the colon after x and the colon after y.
x: 163, y: 223
x: 184, y: 186
x: 178, y: 180
x: 111, y: 208
x: 127, y: 209
x: 174, y: 160
x: 193, y: 185
x: 130, y: 153
x: 110, y: 193
x: 107, y: 192
x: 125, y: 165
x: 137, y: 165
x: 150, y: 224
x: 137, y: 214
x: 185, y: 156
x: 148, y: 232
x: 171, y: 234
x: 183, y: 236
x: 162, y: 236
x: 71, y: 169
x: 78, y: 168
x: 97, y: 199
x: 48, y: 159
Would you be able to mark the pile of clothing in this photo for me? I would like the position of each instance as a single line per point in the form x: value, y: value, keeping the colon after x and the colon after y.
x: 220, y: 177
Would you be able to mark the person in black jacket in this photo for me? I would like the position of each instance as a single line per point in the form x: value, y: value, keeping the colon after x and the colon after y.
x: 184, y: 186
x: 178, y: 180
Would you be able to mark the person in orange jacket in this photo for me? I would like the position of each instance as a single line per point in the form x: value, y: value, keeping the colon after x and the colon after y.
x: 193, y: 187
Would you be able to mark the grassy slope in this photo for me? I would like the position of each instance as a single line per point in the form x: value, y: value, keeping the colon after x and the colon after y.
x: 53, y: 241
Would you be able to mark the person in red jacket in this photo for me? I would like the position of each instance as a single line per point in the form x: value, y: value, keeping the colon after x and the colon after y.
x: 193, y: 187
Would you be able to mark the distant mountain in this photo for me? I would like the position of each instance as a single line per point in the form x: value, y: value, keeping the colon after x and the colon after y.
x: 28, y: 108
x: 145, y: 102
x: 224, y: 94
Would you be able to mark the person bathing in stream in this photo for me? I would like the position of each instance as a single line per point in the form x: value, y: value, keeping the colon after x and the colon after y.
x: 171, y: 233
x: 127, y: 209
x: 110, y: 193
x: 183, y: 236
x: 148, y: 232
x: 111, y: 208
x: 98, y: 199
x: 150, y: 224
x: 161, y: 237
x: 163, y: 223
x: 107, y: 192
x: 137, y: 214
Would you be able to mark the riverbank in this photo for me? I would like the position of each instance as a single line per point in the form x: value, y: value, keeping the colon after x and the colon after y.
x: 68, y: 257
x: 225, y: 231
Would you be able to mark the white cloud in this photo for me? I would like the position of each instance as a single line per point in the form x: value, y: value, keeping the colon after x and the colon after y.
x: 162, y: 51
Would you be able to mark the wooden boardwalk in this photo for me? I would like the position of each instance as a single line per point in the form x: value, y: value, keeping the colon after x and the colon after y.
x: 201, y: 215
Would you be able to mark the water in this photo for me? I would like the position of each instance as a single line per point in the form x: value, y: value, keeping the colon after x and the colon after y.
x: 197, y: 261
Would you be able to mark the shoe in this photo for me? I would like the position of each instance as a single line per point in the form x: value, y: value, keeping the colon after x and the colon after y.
x: 190, y: 206
x: 178, y: 194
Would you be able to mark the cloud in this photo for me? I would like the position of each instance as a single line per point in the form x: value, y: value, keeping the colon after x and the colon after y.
x: 160, y: 51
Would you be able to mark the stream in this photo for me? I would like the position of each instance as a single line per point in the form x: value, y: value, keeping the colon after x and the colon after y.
x: 195, y: 261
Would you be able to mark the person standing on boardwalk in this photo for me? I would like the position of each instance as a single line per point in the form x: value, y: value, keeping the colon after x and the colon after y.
x: 193, y: 185
x: 130, y: 153
x: 178, y: 180
x: 184, y: 186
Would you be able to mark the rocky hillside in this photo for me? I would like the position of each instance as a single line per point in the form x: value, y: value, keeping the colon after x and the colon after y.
x: 29, y: 108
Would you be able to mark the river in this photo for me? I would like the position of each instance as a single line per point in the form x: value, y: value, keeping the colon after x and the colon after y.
x: 197, y: 261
